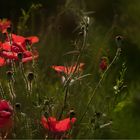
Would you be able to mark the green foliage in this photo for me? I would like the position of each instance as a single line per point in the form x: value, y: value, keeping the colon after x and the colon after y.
x: 108, y: 108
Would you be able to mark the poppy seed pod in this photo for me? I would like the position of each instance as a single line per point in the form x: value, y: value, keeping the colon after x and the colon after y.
x: 30, y: 76
x: 9, y: 75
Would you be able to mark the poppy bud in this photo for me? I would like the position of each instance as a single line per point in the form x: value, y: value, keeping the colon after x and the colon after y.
x: 27, y: 42
x: 103, y: 64
x: 9, y: 75
x: 46, y: 114
x: 18, y: 106
x: 20, y: 55
x: 9, y: 30
x: 98, y: 114
x: 30, y: 76
x: 119, y: 40
x: 72, y: 113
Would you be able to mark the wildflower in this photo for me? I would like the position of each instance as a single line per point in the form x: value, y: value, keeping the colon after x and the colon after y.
x: 69, y: 70
x: 20, y: 40
x: 17, y: 50
x: 6, y: 112
x: 4, y: 24
x: 55, y: 126
x: 103, y: 64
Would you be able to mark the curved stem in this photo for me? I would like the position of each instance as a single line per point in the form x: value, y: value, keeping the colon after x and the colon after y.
x: 97, y: 86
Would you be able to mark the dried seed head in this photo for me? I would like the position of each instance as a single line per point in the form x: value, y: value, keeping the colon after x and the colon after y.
x: 20, y: 56
x: 30, y: 76
x: 9, y: 75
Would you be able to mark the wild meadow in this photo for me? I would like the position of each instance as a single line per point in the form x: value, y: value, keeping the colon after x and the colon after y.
x: 69, y: 69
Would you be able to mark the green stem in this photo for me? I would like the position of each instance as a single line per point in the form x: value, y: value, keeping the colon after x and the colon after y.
x: 65, y: 101
x: 99, y: 83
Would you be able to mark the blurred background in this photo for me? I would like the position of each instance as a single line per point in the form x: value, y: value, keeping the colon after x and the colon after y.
x: 55, y: 23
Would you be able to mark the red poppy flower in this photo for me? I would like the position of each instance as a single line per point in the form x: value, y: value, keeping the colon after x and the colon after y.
x: 103, y: 64
x: 20, y: 40
x: 55, y: 126
x: 4, y: 24
x: 68, y: 70
x: 2, y: 62
x: 10, y: 50
x: 6, y: 112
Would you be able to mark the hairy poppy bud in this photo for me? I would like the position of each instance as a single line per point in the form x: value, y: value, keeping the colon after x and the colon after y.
x: 46, y: 114
x: 27, y: 42
x: 119, y: 40
x: 9, y: 75
x: 30, y: 76
x: 72, y: 113
x: 20, y: 55
x: 18, y: 106
x: 9, y: 30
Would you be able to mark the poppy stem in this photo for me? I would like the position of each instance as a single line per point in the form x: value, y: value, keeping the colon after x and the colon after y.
x: 65, y: 101
x: 24, y: 76
x: 11, y: 91
x: 2, y: 91
x: 99, y: 83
